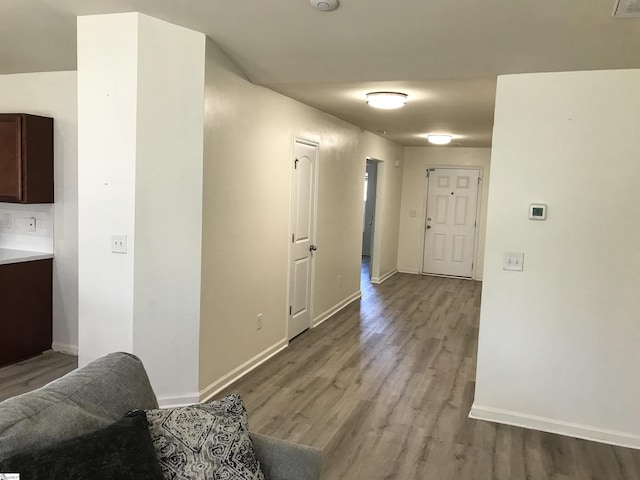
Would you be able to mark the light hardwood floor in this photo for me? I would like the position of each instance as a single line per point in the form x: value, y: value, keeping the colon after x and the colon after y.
x: 34, y: 372
x: 384, y: 389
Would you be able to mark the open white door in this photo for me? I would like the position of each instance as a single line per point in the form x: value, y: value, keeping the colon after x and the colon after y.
x: 450, y: 227
x: 302, y: 237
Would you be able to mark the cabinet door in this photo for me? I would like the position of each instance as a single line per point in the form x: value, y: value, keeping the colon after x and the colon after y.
x: 10, y: 159
x: 26, y: 300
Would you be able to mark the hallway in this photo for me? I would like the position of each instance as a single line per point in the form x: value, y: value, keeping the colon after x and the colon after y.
x: 384, y: 389
x: 365, y: 274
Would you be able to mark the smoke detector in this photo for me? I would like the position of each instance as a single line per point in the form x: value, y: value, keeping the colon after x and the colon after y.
x: 626, y: 9
x: 325, y: 5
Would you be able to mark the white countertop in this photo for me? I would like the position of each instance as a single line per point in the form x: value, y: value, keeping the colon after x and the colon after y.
x: 17, y: 256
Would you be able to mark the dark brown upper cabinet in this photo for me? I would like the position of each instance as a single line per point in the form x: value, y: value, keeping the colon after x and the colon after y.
x: 26, y: 158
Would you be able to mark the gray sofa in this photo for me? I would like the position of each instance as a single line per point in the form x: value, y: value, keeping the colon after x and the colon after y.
x: 102, y: 392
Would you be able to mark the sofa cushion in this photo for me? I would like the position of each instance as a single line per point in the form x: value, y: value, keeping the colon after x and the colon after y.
x: 82, y: 401
x: 123, y: 450
x: 208, y: 440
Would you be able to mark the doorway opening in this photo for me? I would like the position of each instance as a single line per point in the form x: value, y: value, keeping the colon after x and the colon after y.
x: 369, y: 220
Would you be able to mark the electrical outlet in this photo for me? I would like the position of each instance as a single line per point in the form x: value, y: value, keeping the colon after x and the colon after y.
x: 31, y: 224
x: 119, y: 243
x: 259, y: 322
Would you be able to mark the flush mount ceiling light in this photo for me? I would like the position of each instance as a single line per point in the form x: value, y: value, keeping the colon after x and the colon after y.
x: 386, y: 100
x: 439, y: 139
x: 325, y: 5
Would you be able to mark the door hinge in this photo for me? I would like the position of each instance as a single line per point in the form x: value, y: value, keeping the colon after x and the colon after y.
x: 479, y: 180
x: 475, y: 223
x: 295, y: 164
x: 290, y: 310
x: 427, y: 173
x: 293, y: 237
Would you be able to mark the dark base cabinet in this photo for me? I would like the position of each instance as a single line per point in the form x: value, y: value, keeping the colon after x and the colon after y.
x: 26, y: 309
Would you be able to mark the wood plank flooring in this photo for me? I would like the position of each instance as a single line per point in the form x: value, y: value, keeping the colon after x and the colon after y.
x: 34, y: 372
x: 384, y: 389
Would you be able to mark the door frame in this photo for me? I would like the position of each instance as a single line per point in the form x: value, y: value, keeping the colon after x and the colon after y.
x: 376, y: 164
x: 316, y: 177
x: 374, y: 265
x: 477, y: 219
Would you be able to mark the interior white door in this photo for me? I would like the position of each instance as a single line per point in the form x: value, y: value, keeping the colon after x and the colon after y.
x: 302, y: 237
x: 450, y: 226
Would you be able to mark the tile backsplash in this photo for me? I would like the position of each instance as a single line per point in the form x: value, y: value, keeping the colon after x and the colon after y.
x: 15, y: 230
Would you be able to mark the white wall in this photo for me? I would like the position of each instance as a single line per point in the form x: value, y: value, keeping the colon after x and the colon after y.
x: 249, y: 137
x: 387, y: 215
x: 52, y: 94
x: 141, y: 102
x: 168, y: 206
x: 416, y: 162
x: 107, y: 107
x: 559, y: 344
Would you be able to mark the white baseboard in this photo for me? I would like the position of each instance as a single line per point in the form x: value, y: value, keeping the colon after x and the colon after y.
x: 384, y: 277
x: 222, y: 383
x: 417, y: 272
x: 178, y: 400
x: 336, y: 308
x: 242, y: 370
x: 62, y: 348
x: 543, y: 424
x: 412, y: 271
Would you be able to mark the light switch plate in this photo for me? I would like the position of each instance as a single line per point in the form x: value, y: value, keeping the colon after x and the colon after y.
x: 513, y: 261
x: 119, y: 243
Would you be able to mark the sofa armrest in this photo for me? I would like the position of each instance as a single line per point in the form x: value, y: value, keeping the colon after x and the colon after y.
x: 281, y: 460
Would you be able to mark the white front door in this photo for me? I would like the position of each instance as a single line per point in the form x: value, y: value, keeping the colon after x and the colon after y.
x: 450, y: 226
x: 302, y: 237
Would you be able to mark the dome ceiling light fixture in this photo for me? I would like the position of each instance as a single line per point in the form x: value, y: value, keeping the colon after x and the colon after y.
x: 325, y: 5
x: 387, y: 100
x: 439, y: 139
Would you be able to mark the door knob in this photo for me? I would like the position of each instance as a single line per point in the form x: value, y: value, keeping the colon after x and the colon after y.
x: 312, y: 248
x: 428, y: 227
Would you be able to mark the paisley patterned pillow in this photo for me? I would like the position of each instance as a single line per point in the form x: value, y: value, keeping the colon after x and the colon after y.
x: 204, y: 441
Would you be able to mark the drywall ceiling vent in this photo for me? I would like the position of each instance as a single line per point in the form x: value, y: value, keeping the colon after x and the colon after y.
x: 627, y: 9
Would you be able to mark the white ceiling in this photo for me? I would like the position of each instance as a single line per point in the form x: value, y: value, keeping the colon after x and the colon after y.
x: 444, y: 54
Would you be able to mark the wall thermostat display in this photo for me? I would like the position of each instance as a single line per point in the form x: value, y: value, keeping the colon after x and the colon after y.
x: 537, y: 211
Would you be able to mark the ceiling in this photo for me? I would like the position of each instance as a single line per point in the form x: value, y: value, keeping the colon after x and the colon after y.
x: 445, y: 55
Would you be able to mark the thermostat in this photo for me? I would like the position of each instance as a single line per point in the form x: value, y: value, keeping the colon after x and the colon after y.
x: 537, y: 211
